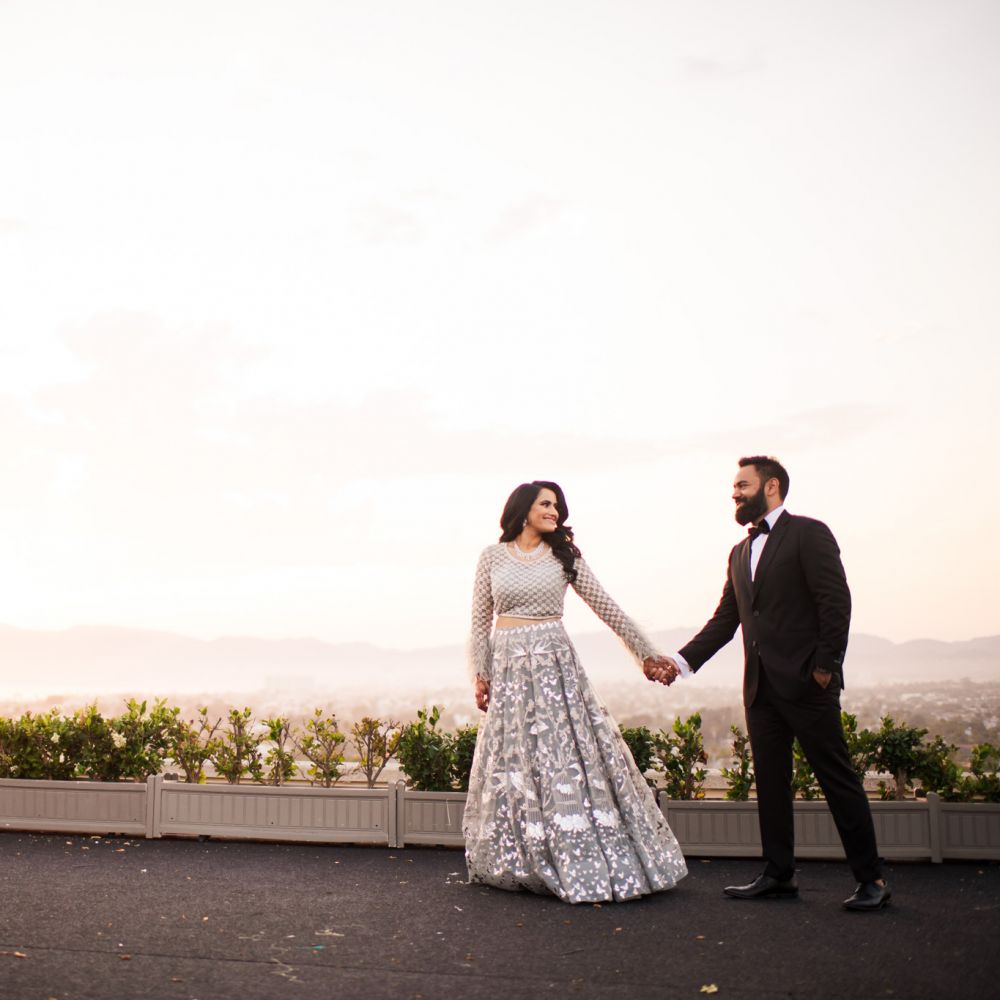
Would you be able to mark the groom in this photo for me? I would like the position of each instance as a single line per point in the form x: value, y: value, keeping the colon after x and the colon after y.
x: 786, y: 587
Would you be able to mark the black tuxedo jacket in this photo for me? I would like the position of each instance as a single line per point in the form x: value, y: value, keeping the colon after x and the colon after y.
x: 795, y: 613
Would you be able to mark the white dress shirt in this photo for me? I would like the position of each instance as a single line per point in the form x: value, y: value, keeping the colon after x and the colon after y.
x: 756, y: 548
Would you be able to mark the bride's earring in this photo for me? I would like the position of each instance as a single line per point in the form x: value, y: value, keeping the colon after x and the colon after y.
x: 524, y: 523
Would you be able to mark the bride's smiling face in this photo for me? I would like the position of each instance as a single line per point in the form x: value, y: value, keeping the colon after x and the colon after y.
x: 544, y: 513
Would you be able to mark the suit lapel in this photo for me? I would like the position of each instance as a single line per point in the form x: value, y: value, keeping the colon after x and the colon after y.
x: 774, y: 540
x: 739, y: 570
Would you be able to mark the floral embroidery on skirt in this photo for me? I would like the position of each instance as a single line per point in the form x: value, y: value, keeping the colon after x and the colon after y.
x: 556, y: 803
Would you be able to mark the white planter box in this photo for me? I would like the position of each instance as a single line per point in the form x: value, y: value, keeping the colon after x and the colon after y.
x: 713, y: 828
x: 429, y: 817
x: 76, y: 806
x: 922, y: 830
x: 970, y: 831
x: 906, y: 831
x: 395, y: 816
x: 284, y: 812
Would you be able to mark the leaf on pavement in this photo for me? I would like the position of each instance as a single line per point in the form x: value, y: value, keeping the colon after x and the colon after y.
x: 711, y: 988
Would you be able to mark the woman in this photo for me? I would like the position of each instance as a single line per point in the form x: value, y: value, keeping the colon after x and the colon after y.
x: 556, y: 803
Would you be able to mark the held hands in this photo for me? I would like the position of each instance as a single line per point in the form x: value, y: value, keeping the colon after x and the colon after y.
x: 482, y: 694
x: 661, y: 669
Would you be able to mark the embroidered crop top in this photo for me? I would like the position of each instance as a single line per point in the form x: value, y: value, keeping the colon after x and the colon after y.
x: 506, y: 585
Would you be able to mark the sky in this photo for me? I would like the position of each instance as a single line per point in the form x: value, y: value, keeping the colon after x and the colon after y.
x: 294, y: 294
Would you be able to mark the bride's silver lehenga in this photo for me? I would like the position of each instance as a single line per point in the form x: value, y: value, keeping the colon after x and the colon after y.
x: 556, y: 803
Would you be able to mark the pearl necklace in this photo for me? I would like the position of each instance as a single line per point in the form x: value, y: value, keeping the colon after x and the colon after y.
x: 527, y: 557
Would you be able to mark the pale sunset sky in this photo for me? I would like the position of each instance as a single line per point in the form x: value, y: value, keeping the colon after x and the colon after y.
x: 294, y: 294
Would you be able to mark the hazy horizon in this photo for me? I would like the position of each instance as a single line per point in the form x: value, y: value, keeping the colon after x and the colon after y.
x: 595, y: 626
x: 96, y: 661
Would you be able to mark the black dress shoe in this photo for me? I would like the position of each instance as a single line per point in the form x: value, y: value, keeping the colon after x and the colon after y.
x: 764, y: 887
x: 868, y: 896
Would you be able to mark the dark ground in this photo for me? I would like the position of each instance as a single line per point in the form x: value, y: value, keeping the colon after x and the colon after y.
x: 115, y: 918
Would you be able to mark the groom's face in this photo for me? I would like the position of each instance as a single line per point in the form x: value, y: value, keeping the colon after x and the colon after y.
x: 748, y: 495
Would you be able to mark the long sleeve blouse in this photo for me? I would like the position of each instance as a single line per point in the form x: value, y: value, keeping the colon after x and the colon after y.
x: 505, y: 585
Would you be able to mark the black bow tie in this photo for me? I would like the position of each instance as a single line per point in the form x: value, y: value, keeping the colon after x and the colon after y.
x: 761, y: 529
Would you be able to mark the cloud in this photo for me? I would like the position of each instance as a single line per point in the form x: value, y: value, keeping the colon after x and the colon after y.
x: 524, y: 217
x: 377, y: 223
x: 724, y: 67
x: 824, y: 425
x: 164, y: 408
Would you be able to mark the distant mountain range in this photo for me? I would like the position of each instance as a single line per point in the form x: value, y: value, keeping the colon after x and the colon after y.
x: 92, y: 660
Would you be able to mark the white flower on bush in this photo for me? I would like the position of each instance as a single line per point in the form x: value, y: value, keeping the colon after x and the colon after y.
x: 62, y: 758
x: 117, y: 739
x: 55, y: 737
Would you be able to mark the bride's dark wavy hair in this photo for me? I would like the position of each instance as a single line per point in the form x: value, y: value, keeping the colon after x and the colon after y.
x: 515, y: 512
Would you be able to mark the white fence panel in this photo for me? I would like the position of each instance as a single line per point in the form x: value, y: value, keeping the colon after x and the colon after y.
x: 286, y: 812
x: 429, y: 817
x: 75, y: 806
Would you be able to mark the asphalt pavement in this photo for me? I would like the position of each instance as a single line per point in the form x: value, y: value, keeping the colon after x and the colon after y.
x: 99, y: 918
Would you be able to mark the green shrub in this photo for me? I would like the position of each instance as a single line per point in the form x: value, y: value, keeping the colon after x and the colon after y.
x: 8, y: 748
x: 860, y: 744
x: 739, y: 777
x: 322, y: 744
x: 463, y: 750
x: 131, y: 746
x: 237, y: 751
x: 376, y: 742
x: 192, y: 743
x: 804, y: 784
x: 639, y: 741
x: 985, y: 768
x: 99, y: 756
x: 677, y: 754
x: 899, y: 751
x: 938, y: 772
x: 45, y: 746
x: 426, y: 754
x: 280, y: 762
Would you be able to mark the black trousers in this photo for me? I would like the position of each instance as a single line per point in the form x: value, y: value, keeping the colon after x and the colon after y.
x: 773, y: 722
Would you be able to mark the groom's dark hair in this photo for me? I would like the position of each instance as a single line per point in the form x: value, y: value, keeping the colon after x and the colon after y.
x: 769, y: 468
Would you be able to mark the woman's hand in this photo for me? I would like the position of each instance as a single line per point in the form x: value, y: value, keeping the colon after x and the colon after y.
x: 662, y: 669
x: 482, y: 693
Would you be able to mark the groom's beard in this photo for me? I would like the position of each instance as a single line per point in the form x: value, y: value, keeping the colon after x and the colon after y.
x: 752, y: 508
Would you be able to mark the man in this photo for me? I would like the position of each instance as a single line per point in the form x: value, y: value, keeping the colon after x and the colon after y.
x: 786, y: 587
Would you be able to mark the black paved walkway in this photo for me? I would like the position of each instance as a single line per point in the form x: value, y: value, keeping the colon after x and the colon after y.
x: 122, y: 919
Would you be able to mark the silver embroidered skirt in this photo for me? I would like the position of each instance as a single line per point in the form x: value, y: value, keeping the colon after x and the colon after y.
x: 556, y: 803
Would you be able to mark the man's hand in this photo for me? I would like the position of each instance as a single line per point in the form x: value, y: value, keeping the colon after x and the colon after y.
x: 822, y: 677
x: 661, y: 669
x: 482, y: 693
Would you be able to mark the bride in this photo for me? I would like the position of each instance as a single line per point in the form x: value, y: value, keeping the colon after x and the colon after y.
x: 556, y: 803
